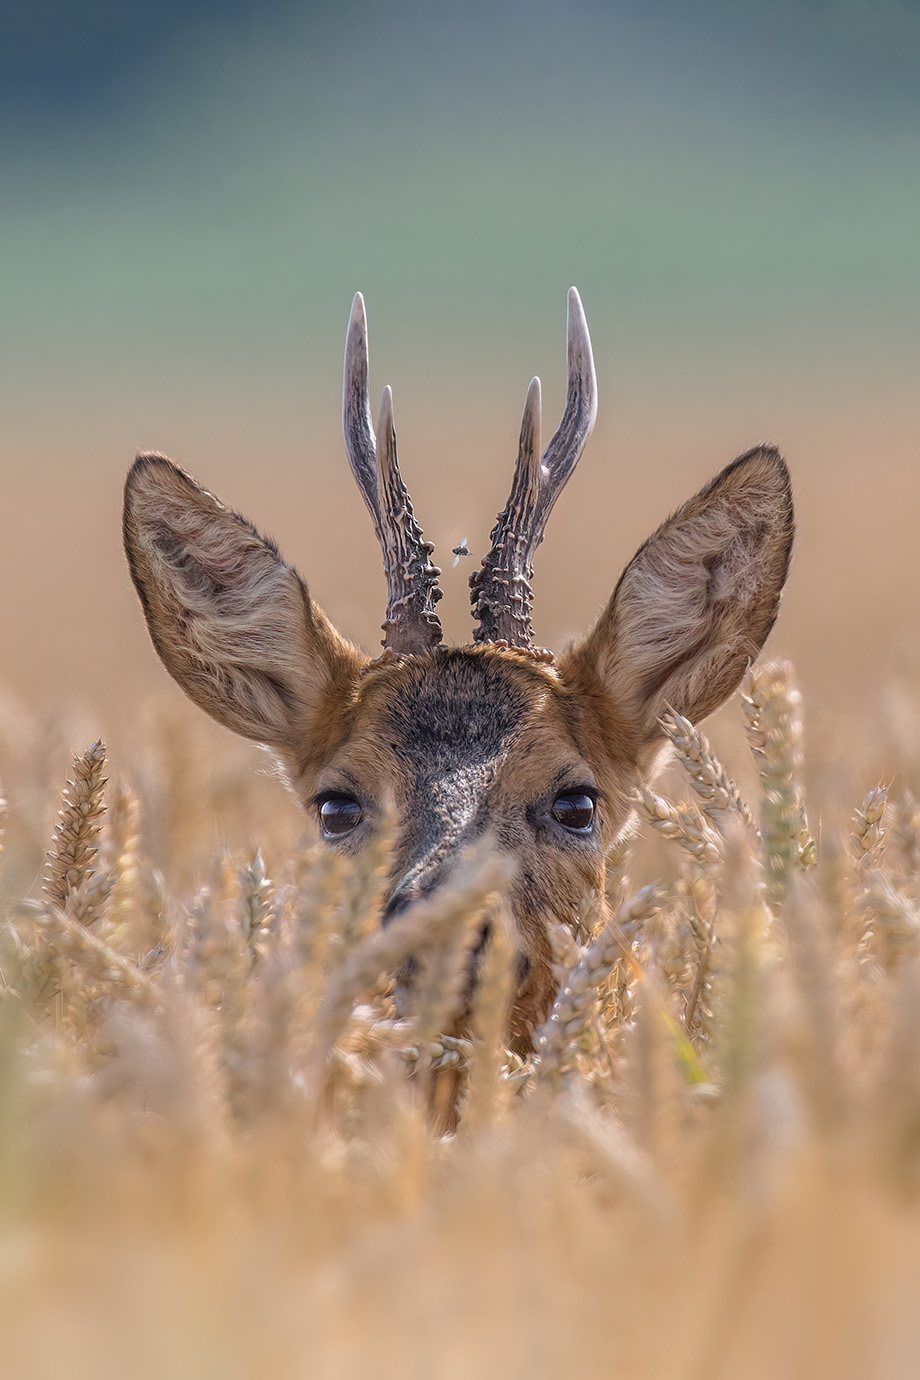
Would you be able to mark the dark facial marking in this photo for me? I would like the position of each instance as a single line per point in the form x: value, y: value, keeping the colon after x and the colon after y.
x: 460, y: 713
x: 450, y: 729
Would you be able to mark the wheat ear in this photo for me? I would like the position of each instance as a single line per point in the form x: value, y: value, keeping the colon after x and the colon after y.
x: 120, y: 857
x: 96, y: 961
x: 773, y: 723
x: 256, y: 907
x: 557, y: 1040
x: 686, y: 826
x: 709, y: 779
x: 904, y: 832
x: 73, y: 848
x: 868, y: 833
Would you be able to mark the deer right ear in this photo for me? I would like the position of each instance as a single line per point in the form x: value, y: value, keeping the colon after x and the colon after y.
x: 231, y: 621
x: 695, y: 604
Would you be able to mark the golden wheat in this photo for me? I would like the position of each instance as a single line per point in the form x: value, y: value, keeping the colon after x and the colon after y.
x: 73, y: 848
x: 222, y: 1150
x: 771, y: 704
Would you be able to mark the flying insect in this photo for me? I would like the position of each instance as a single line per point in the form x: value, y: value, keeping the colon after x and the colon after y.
x: 461, y: 550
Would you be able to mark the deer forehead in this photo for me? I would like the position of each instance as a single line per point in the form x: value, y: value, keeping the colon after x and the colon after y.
x: 455, y: 723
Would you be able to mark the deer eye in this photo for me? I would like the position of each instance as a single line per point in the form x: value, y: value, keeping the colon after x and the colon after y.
x: 574, y: 811
x: 339, y: 814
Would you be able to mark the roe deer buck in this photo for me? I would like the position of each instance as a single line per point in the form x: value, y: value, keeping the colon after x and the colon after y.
x: 496, y: 736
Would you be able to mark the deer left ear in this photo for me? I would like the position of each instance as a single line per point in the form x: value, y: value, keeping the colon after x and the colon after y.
x: 233, y: 623
x: 695, y: 604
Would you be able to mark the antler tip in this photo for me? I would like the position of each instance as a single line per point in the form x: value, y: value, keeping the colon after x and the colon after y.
x: 385, y: 412
x: 576, y: 321
x: 529, y: 445
x: 581, y: 356
x: 354, y: 389
x: 356, y: 335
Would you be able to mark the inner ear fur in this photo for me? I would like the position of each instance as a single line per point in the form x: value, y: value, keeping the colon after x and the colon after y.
x: 232, y: 622
x: 695, y: 604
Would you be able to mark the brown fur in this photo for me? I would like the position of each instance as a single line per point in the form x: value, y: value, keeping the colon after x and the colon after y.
x: 473, y: 740
x: 231, y: 621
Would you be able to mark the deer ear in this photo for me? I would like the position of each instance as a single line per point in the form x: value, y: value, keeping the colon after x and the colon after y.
x: 231, y: 621
x: 695, y: 604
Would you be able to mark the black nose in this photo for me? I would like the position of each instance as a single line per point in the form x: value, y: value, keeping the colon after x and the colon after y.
x: 397, y: 903
x: 482, y: 940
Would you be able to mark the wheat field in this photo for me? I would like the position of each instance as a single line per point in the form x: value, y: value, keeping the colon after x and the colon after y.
x: 222, y: 1154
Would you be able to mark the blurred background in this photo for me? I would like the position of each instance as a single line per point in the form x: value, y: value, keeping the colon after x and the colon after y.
x: 192, y: 191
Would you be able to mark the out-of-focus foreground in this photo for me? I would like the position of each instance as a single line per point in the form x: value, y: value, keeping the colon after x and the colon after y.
x: 221, y: 1153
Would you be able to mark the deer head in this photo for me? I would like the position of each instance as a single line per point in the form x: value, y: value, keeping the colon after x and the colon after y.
x: 496, y: 737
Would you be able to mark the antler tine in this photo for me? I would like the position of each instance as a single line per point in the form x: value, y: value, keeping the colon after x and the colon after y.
x: 411, y: 624
x: 500, y: 592
x: 356, y: 408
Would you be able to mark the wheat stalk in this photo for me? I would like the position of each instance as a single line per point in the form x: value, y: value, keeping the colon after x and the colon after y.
x: 444, y: 975
x: 616, y: 870
x: 491, y: 1005
x: 363, y: 888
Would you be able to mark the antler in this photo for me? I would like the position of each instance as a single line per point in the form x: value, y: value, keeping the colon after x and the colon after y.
x: 411, y: 624
x: 500, y: 592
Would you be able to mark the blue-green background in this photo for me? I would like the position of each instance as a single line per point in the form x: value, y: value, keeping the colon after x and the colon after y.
x: 190, y: 193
